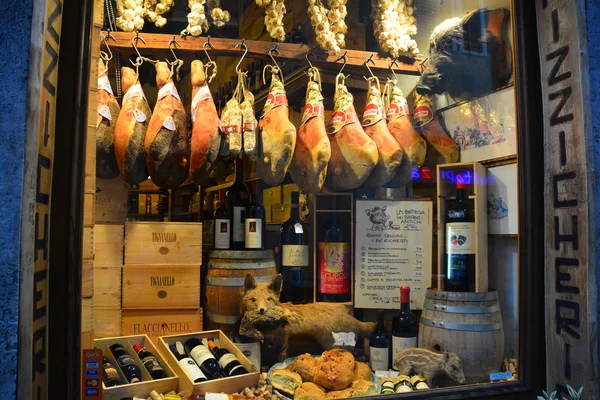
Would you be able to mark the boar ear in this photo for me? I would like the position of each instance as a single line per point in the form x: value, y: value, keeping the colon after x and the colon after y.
x: 474, y: 25
x: 446, y: 356
x: 276, y: 284
x: 249, y: 283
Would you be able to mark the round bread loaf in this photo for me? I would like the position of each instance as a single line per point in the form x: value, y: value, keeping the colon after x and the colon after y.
x: 309, y: 391
x: 334, y: 375
x: 339, y: 356
x: 285, y: 381
x: 362, y: 371
x: 305, y: 365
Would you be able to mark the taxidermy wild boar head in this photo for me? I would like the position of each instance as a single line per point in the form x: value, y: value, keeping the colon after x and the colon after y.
x: 468, y: 56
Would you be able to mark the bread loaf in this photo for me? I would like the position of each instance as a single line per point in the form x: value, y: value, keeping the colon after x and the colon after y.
x: 309, y: 391
x: 305, y: 365
x: 362, y: 371
x: 334, y: 375
x: 285, y: 381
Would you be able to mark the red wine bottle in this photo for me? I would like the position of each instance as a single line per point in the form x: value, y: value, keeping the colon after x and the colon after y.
x: 187, y: 364
x: 110, y: 374
x: 255, y: 223
x: 238, y: 198
x: 459, y: 273
x: 204, y: 358
x: 379, y: 346
x: 222, y: 224
x: 333, y: 260
x: 132, y: 372
x: 150, y: 362
x: 230, y: 365
x: 405, y: 326
x: 294, y: 255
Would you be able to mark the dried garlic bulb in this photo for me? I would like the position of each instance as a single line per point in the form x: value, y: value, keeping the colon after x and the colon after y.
x: 329, y: 25
x: 394, y: 25
x: 218, y: 15
x: 274, y: 13
x: 197, y: 19
x: 131, y: 13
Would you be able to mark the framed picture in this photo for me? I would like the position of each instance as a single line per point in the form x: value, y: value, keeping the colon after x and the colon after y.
x: 484, y: 128
x: 503, y: 201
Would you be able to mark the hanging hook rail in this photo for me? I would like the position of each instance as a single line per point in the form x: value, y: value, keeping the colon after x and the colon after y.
x: 208, y: 44
x: 107, y: 56
x: 391, y: 67
x: 173, y: 43
x: 366, y: 64
x: 311, y: 53
x: 274, y: 50
x: 243, y: 46
x: 139, y: 60
x: 345, y: 58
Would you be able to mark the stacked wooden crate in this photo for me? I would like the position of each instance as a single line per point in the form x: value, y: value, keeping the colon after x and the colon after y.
x: 161, y: 278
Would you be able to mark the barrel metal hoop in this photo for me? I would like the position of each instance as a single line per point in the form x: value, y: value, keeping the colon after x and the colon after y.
x: 241, y: 254
x: 453, y: 326
x: 231, y: 281
x: 254, y: 265
x: 461, y: 309
x: 222, y: 319
x: 461, y: 296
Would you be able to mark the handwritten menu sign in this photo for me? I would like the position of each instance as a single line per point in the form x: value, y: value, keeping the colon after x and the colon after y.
x: 393, y: 249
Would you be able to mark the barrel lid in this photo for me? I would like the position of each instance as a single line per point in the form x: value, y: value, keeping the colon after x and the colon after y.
x: 241, y: 254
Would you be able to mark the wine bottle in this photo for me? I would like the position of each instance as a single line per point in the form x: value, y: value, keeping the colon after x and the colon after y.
x: 249, y: 346
x: 110, y: 374
x: 187, y: 364
x: 333, y: 260
x: 222, y: 224
x: 230, y: 365
x: 204, y: 358
x: 404, y: 325
x: 255, y: 222
x: 294, y: 255
x: 150, y: 362
x: 238, y: 198
x: 459, y: 273
x: 127, y: 364
x: 379, y: 346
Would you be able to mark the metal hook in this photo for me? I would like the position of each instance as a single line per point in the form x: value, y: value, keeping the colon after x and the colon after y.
x: 109, y: 56
x: 173, y: 43
x: 310, y: 53
x: 242, y: 45
x: 140, y: 60
x: 274, y: 50
x: 390, y: 66
x: 366, y: 64
x: 343, y: 57
x: 209, y: 44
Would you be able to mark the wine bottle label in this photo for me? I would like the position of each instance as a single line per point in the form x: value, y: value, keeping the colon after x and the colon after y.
x: 201, y: 354
x: 294, y: 255
x: 125, y: 360
x: 238, y: 223
x: 460, y: 237
x: 236, y: 368
x: 226, y: 359
x: 151, y: 364
x: 402, y: 343
x: 222, y: 233
x: 111, y: 373
x: 190, y: 367
x: 253, y: 233
x: 251, y: 351
x: 379, y: 358
x: 334, y: 268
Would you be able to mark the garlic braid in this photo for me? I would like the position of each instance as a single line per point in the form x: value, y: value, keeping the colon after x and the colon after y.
x: 394, y: 24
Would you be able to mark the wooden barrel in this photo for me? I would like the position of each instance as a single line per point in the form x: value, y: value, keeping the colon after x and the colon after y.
x: 227, y: 270
x: 468, y: 324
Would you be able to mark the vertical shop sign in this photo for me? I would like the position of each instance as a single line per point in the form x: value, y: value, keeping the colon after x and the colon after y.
x: 570, y: 277
x: 39, y: 157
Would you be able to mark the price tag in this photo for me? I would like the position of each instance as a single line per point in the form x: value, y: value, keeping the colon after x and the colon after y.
x: 169, y: 123
x: 344, y: 339
x: 105, y: 112
x: 298, y: 228
x: 139, y: 115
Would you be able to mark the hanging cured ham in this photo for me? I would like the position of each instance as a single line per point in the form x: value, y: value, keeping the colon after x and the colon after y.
x: 106, y: 121
x: 205, y: 126
x: 277, y: 134
x: 167, y: 144
x: 353, y: 152
x: 130, y: 130
x: 375, y: 126
x: 440, y: 148
x: 313, y: 150
x: 249, y: 123
x: 231, y: 118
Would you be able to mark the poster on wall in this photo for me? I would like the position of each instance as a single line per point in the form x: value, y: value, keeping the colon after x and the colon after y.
x: 393, y: 248
x: 502, y: 202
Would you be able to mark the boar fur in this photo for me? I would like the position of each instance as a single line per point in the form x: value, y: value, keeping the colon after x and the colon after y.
x: 430, y: 365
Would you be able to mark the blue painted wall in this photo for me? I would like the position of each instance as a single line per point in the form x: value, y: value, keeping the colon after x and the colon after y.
x: 15, y: 36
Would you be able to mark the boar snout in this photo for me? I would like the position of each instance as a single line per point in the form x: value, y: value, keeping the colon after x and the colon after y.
x: 430, y: 83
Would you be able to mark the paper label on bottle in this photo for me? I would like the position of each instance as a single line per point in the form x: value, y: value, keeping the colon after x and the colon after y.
x: 169, y: 123
x: 168, y: 89
x: 151, y: 364
x: 298, y: 228
x: 111, y: 372
x: 379, y: 360
x: 104, y: 84
x: 139, y: 115
x: 372, y: 114
x: 251, y: 351
x: 334, y: 268
x: 239, y: 216
x: 125, y: 360
x: 402, y: 343
x: 202, y: 94
x: 226, y: 359
x: 460, y: 237
x: 134, y: 91
x: 191, y: 368
x: 253, y: 232
x: 294, y: 255
x: 105, y: 112
x: 222, y: 231
x: 201, y: 354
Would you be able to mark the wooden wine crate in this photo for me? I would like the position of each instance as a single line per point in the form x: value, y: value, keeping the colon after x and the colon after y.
x: 155, y: 323
x: 88, y: 209
x: 107, y: 288
x: 111, y: 201
x: 475, y: 176
x: 271, y: 195
x: 161, y: 286
x: 109, y: 244
x: 107, y: 323
x: 87, y: 251
x: 141, y: 389
x: 87, y: 314
x: 223, y: 385
x: 87, y: 278
x: 163, y: 243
